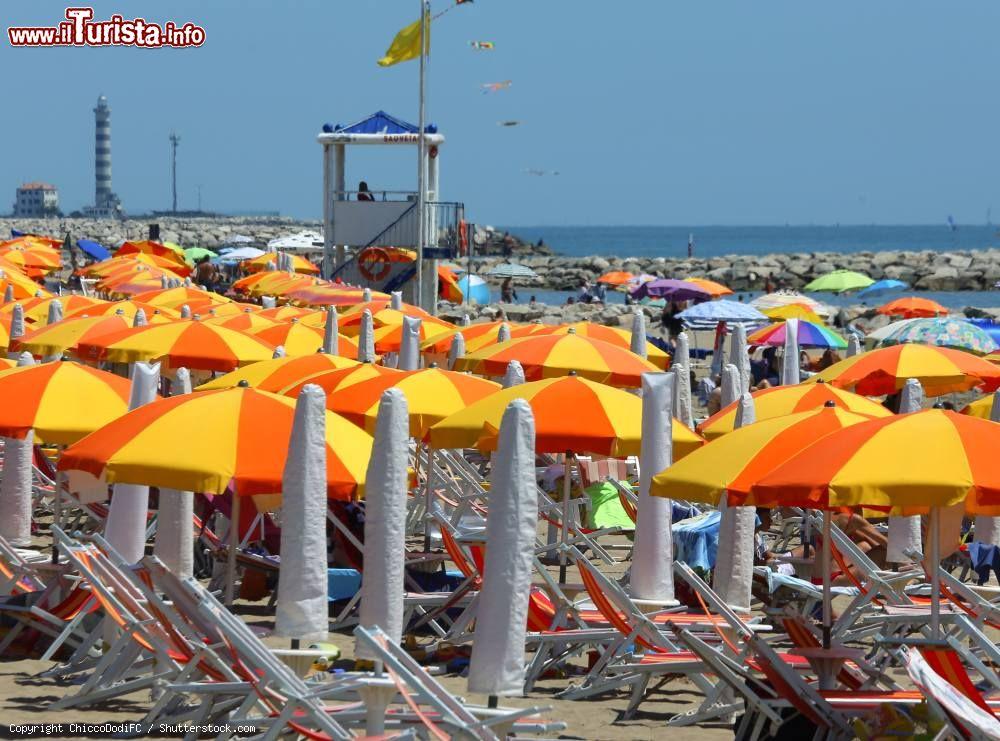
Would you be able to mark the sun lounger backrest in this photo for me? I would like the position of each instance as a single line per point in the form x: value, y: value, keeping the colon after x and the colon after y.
x: 948, y: 664
x: 802, y: 637
x: 962, y: 713
x: 541, y: 611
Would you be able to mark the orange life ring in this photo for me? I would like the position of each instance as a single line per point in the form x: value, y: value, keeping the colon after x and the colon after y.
x: 463, y: 238
x: 373, y: 263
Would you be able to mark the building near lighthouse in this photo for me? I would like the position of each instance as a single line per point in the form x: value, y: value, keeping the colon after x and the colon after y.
x: 106, y: 203
x: 36, y: 200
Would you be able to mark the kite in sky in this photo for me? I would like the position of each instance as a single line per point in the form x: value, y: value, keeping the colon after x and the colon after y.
x: 492, y: 87
x: 540, y: 173
x: 481, y: 45
x: 508, y: 123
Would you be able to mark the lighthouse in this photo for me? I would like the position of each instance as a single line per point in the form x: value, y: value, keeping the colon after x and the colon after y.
x: 106, y: 203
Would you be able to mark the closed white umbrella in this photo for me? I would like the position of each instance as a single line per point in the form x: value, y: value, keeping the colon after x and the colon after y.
x: 16, y: 328
x: 497, y: 665
x: 396, y: 300
x: 652, y: 559
x: 8, y: 293
x: 790, y: 362
x: 503, y: 333
x: 988, y: 528
x: 385, y: 521
x: 733, y: 574
x: 268, y: 302
x: 682, y: 389
x: 279, y: 352
x: 185, y: 312
x: 331, y: 336
x: 730, y: 385
x: 904, y: 531
x: 55, y: 311
x: 366, y: 295
x: 15, y: 483
x: 466, y: 321
x: 174, y: 543
x: 718, y: 352
x: 456, y: 350
x: 366, y: 338
x: 740, y: 357
x: 514, y: 375
x: 853, y: 345
x: 302, y: 585
x: 746, y: 412
x: 409, y: 346
x: 637, y: 342
x: 125, y: 528
x: 182, y: 379
x: 139, y: 319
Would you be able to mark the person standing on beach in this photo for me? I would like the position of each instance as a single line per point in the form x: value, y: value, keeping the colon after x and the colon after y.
x: 507, y: 293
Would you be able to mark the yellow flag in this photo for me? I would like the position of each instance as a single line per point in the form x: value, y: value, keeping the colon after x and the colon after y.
x: 406, y: 45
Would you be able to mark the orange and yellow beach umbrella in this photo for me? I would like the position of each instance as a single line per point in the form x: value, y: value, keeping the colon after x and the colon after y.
x: 340, y: 378
x: 175, y: 298
x: 300, y: 339
x: 617, y: 336
x: 548, y: 356
x: 725, y: 468
x: 207, y: 442
x: 299, y: 263
x: 279, y: 373
x: 940, y: 370
x: 128, y: 309
x: 778, y: 401
x: 55, y: 339
x: 431, y: 395
x: 910, y: 462
x: 192, y: 345
x: 570, y: 413
x: 61, y: 401
x: 713, y: 288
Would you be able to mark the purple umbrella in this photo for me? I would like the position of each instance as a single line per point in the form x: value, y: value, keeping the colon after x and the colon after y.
x: 670, y: 288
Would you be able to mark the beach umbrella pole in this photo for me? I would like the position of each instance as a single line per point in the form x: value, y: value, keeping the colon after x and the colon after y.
x: 827, y: 587
x: 935, y: 562
x: 428, y: 498
x: 567, y: 484
x: 234, y: 541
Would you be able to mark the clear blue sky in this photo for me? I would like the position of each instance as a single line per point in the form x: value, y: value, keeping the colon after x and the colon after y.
x: 653, y: 112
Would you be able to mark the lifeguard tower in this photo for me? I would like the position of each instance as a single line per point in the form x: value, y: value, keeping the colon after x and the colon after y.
x: 357, y: 232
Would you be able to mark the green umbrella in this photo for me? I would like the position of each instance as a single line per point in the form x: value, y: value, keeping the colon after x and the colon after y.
x: 194, y: 254
x: 839, y: 281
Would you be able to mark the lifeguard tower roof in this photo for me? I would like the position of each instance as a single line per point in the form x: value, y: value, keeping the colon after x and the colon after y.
x: 379, y: 122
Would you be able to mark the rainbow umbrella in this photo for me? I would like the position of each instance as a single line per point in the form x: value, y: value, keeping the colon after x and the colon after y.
x: 810, y: 335
x: 278, y: 373
x: 604, y: 420
x: 192, y: 345
x: 232, y: 439
x: 779, y: 401
x: 431, y: 395
x: 61, y: 401
x: 885, y: 371
x: 547, y: 356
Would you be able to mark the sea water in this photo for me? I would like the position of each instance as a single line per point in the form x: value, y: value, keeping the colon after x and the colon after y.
x: 711, y: 241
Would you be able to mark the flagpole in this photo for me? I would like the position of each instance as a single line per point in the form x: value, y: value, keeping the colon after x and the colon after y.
x: 421, y: 153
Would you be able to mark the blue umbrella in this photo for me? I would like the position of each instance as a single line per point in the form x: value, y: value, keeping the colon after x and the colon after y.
x: 92, y: 248
x: 708, y: 314
x: 883, y: 286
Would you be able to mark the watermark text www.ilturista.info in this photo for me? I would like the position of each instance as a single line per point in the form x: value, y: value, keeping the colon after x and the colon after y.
x: 80, y: 29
